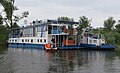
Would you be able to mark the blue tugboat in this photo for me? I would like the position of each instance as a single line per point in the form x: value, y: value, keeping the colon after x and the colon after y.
x: 54, y: 35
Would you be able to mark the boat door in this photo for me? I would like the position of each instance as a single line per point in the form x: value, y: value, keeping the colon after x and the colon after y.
x: 53, y: 40
x: 58, y: 40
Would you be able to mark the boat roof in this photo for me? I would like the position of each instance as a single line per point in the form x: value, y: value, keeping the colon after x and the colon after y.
x: 47, y: 23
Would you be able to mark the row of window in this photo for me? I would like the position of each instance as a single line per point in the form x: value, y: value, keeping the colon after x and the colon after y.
x: 28, y: 40
x: 13, y: 40
x: 94, y: 41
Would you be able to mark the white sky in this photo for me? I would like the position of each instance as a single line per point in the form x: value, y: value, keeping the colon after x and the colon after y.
x: 97, y: 10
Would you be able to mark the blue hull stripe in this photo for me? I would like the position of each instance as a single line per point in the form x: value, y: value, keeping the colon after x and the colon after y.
x: 104, y: 46
x: 19, y: 45
x: 81, y: 46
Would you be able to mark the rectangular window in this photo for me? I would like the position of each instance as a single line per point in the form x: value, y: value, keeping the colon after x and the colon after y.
x: 38, y: 29
x: 54, y: 27
x: 95, y: 41
x: 28, y: 32
x: 25, y: 40
x: 12, y: 40
x: 16, y: 40
x: 45, y: 40
x: 49, y: 29
x: 28, y: 40
x: 40, y: 40
x: 90, y: 41
x: 22, y: 40
x: 31, y: 40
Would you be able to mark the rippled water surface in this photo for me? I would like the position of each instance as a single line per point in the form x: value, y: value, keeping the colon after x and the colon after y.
x: 19, y: 60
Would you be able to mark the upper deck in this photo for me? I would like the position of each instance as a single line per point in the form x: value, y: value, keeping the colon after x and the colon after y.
x: 43, y: 27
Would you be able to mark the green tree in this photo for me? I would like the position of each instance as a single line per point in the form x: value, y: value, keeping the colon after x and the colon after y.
x: 117, y: 38
x: 117, y: 31
x: 109, y: 32
x: 10, y: 18
x: 1, y: 22
x: 65, y: 18
x: 110, y: 37
x: 15, y: 25
x: 3, y: 35
x: 109, y: 24
x: 118, y: 27
x: 83, y: 23
x: 9, y: 9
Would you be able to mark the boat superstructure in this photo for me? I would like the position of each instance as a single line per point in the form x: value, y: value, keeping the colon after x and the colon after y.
x: 55, y: 34
x: 93, y: 40
x: 42, y: 32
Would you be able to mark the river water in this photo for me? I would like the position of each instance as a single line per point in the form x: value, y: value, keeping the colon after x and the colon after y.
x: 20, y: 60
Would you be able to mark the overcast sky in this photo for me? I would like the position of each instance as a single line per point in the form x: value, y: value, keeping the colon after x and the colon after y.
x: 97, y: 10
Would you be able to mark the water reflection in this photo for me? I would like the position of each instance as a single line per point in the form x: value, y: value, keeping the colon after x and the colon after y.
x: 81, y: 61
x: 2, y: 49
x: 19, y: 60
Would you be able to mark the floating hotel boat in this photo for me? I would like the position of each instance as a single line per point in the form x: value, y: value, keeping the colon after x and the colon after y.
x: 55, y: 34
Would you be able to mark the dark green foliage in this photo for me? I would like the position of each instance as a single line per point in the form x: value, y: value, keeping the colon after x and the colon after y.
x: 3, y: 48
x: 117, y: 38
x: 117, y: 35
x: 3, y: 34
x: 15, y: 25
x: 83, y: 23
x: 65, y: 18
x: 1, y: 22
x: 118, y: 28
x: 10, y: 19
x: 109, y: 23
x: 110, y: 37
x: 109, y: 31
x: 8, y: 8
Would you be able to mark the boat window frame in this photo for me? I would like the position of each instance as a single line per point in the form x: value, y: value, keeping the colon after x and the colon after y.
x: 31, y: 40
x: 45, y: 40
x: 22, y: 40
x: 40, y: 40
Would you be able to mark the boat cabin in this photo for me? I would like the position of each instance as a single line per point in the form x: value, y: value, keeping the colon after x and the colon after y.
x: 62, y: 33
